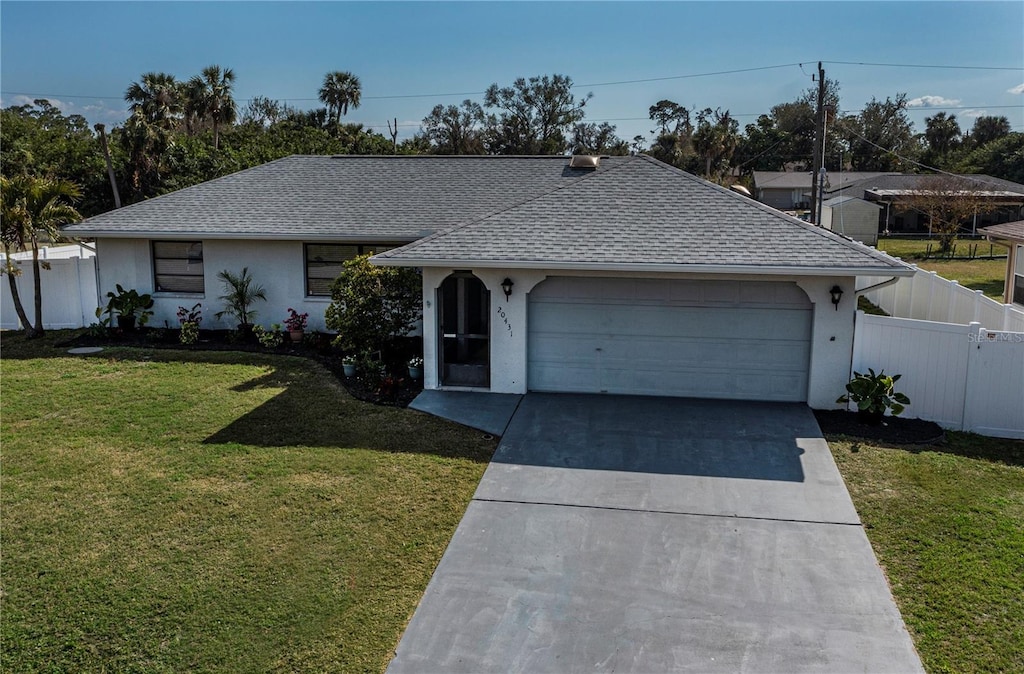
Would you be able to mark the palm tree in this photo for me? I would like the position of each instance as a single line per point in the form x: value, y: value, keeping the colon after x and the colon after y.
x: 157, y: 99
x: 340, y: 90
x: 28, y: 206
x: 212, y: 92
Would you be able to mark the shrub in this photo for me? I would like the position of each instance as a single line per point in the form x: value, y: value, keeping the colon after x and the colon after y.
x: 874, y: 394
x: 372, y: 306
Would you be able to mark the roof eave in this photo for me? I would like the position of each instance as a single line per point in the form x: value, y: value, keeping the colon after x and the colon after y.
x: 234, y: 236
x: 903, y: 270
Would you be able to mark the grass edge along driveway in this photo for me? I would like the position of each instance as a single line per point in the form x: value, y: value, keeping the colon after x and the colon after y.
x: 167, y: 511
x: 947, y: 525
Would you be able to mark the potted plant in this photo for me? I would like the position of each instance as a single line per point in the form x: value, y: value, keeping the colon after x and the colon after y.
x: 296, y: 324
x: 190, y: 320
x: 348, y: 364
x: 132, y: 308
x: 241, y: 292
x: 874, y: 394
x: 415, y: 367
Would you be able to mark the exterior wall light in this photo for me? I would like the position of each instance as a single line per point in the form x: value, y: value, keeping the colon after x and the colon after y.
x: 506, y: 287
x: 837, y: 294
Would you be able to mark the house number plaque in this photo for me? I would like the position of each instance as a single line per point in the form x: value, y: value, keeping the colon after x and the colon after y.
x: 504, y: 319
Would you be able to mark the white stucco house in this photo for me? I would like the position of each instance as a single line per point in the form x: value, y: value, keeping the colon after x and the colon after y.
x: 614, y: 274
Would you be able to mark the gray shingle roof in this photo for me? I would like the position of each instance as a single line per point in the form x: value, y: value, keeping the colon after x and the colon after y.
x: 642, y: 213
x: 1006, y: 230
x: 375, y: 198
x: 904, y: 182
x: 802, y: 179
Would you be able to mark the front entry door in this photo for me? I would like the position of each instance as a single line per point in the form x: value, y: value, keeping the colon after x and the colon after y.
x: 465, y: 309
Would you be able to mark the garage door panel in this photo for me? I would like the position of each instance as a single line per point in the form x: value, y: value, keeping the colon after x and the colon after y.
x: 685, y: 338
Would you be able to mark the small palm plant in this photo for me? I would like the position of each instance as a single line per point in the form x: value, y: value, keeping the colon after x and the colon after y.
x: 874, y: 394
x: 241, y: 293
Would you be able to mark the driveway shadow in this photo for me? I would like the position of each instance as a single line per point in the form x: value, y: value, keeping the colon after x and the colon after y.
x: 668, y: 436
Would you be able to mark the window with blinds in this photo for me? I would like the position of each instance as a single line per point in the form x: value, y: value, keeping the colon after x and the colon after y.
x: 178, y: 267
x: 325, y: 262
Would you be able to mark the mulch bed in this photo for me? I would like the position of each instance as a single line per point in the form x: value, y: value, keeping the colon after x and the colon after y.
x: 397, y: 391
x: 895, y: 430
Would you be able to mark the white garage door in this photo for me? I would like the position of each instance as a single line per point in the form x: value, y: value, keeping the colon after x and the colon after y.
x: 743, y: 340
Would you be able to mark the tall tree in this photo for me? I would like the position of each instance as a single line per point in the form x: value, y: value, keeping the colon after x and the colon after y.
x: 456, y: 130
x: 341, y: 89
x: 30, y: 206
x: 942, y: 133
x: 214, y: 99
x: 156, y: 98
x: 534, y: 116
x: 989, y: 128
x: 673, y: 137
x: 593, y: 138
x: 714, y: 140
x: 880, y: 132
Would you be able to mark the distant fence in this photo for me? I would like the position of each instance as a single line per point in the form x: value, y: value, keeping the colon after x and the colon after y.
x: 929, y: 297
x: 68, y: 288
x: 962, y: 377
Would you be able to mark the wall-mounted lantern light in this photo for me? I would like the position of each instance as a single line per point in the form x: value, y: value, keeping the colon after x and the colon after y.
x: 837, y: 294
x: 506, y: 286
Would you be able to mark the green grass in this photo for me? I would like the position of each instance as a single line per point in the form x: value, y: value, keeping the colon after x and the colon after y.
x: 947, y: 525
x: 986, y: 275
x: 167, y: 511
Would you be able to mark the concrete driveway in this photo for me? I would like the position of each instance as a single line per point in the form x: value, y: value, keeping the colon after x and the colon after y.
x: 628, y: 534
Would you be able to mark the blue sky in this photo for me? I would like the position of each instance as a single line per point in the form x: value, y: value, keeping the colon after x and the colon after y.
x: 85, y: 54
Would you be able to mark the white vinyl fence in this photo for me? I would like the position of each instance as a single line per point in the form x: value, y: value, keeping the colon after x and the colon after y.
x: 962, y: 377
x: 68, y: 287
x: 929, y: 297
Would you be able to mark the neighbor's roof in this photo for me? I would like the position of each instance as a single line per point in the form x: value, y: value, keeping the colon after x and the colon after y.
x: 802, y: 179
x: 355, y: 198
x: 643, y: 215
x: 839, y: 201
x: 896, y: 185
x: 1007, y: 230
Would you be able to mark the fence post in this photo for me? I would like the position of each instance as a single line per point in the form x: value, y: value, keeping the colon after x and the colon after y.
x: 979, y: 297
x: 910, y: 294
x: 973, y: 346
x: 950, y: 299
x: 932, y: 275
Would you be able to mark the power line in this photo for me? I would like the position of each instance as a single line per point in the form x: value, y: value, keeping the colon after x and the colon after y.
x: 920, y: 65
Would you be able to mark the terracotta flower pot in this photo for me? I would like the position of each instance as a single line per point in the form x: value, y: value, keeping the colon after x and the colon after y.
x: 296, y: 335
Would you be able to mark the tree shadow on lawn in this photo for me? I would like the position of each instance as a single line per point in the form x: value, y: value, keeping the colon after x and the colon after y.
x: 310, y: 412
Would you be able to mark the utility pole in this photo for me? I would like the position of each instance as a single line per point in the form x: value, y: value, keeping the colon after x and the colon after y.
x: 819, y: 145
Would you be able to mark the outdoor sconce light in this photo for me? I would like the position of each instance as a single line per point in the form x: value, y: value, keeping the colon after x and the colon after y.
x: 837, y: 294
x: 506, y: 286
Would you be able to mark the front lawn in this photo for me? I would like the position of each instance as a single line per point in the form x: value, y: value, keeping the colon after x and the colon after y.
x: 166, y: 511
x: 986, y: 275
x: 947, y: 524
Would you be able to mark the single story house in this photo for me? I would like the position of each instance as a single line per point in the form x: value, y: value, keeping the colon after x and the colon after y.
x: 791, y: 190
x: 1011, y: 235
x: 852, y: 217
x: 587, y: 274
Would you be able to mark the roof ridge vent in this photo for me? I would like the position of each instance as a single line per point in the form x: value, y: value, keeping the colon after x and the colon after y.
x: 584, y: 161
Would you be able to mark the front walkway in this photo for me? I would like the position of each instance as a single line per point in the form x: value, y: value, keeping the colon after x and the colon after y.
x: 648, y: 534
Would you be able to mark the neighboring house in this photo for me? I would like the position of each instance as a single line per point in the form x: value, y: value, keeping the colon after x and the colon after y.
x: 791, y: 190
x: 891, y: 192
x: 1011, y: 235
x: 623, y: 274
x: 852, y: 217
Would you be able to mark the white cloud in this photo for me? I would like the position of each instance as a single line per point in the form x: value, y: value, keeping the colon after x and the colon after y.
x: 932, y: 102
x: 1019, y: 89
x: 94, y: 111
x: 974, y: 113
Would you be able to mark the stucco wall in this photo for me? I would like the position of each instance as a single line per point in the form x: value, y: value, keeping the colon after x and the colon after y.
x: 277, y: 265
x: 831, y: 338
